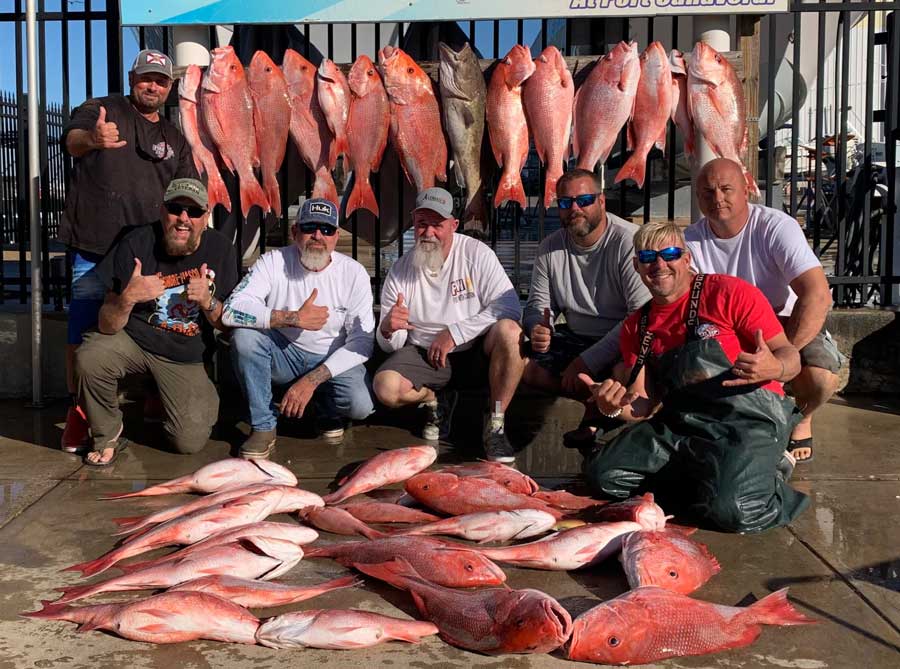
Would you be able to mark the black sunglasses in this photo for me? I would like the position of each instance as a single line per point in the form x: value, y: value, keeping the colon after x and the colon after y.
x: 192, y: 211
x: 310, y: 228
x: 648, y: 256
x: 583, y: 200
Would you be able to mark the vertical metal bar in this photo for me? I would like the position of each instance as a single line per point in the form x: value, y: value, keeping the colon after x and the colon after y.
x: 472, y: 33
x: 64, y: 47
x: 34, y: 208
x: 672, y: 154
x: 330, y: 41
x: 354, y: 242
x: 891, y: 137
x: 88, y: 49
x: 820, y: 120
x: 114, y: 48
x: 520, y: 31
x: 142, y: 38
x: 866, y: 267
x: 42, y: 162
x: 795, y: 114
x: 23, y: 220
x: 770, y: 114
x: 840, y: 190
x: 496, y: 50
x: 569, y: 37
x: 544, y: 23
x: 623, y: 141
x: 647, y: 170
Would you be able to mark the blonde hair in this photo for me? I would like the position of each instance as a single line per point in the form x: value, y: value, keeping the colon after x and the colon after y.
x: 651, y: 234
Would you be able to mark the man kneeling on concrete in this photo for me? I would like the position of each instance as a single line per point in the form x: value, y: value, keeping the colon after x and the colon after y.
x: 448, y: 310
x: 160, y: 279
x: 303, y: 317
x: 702, y: 372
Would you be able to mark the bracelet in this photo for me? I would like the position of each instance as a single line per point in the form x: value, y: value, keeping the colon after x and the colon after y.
x: 780, y: 376
x: 614, y: 414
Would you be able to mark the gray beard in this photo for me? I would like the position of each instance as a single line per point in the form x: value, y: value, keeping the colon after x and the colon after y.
x: 315, y: 260
x: 428, y: 255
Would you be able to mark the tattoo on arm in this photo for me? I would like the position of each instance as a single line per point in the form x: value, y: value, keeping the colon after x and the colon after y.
x: 284, y: 319
x: 319, y: 375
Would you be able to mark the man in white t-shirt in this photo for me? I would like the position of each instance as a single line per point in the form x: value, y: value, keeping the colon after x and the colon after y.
x: 304, y: 319
x: 767, y: 248
x: 448, y: 311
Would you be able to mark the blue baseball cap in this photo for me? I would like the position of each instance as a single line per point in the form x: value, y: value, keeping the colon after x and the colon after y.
x: 318, y: 210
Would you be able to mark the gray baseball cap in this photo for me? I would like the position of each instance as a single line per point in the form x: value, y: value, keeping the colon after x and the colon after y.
x: 436, y: 199
x: 150, y: 60
x: 190, y: 189
x: 318, y: 210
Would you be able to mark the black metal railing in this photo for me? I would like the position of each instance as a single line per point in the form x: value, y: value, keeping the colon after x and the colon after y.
x: 846, y: 200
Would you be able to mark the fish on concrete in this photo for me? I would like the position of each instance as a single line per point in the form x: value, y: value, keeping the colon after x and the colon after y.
x: 567, y: 501
x: 271, y: 121
x: 338, y: 629
x: 394, y: 466
x: 651, y: 624
x: 256, y: 594
x: 640, y: 509
x: 385, y: 512
x: 336, y: 520
x: 667, y: 559
x: 368, y: 126
x: 509, y: 477
x: 490, y: 525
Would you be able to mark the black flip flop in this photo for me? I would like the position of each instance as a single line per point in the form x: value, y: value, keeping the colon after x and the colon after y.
x: 794, y: 444
x: 120, y: 446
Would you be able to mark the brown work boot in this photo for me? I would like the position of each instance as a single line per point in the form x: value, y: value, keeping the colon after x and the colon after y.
x: 259, y: 445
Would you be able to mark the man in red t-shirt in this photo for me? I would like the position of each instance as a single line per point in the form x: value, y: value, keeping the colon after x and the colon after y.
x: 703, y: 364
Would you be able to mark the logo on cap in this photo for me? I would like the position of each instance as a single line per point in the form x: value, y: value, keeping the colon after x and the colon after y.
x: 156, y: 59
x: 320, y: 208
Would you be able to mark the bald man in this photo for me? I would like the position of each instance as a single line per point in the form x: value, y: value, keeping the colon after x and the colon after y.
x: 767, y: 248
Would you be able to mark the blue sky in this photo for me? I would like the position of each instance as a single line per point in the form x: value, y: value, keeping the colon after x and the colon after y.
x: 76, y: 78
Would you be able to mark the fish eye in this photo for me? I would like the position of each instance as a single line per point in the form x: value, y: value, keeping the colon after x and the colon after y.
x: 370, y: 72
x: 520, y: 622
x: 673, y: 573
x: 409, y: 70
x: 469, y: 567
x: 613, y: 641
x: 268, y: 69
x: 425, y: 487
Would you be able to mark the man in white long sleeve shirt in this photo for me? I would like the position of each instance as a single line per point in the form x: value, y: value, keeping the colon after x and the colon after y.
x: 304, y: 318
x: 449, y: 312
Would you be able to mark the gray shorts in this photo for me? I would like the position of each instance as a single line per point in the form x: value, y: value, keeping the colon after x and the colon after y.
x: 565, y: 346
x: 822, y: 352
x: 465, y: 369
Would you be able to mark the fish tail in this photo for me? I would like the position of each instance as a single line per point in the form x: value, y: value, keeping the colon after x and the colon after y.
x: 550, y: 188
x: 218, y: 191
x: 634, y: 168
x: 362, y: 197
x: 181, y: 484
x: 775, y: 609
x: 74, y: 592
x: 273, y: 194
x: 510, y: 188
x: 128, y: 524
x: 316, y: 551
x: 752, y: 187
x: 324, y: 188
x: 397, y: 572
x: 413, y: 632
x: 252, y: 194
x: 50, y: 611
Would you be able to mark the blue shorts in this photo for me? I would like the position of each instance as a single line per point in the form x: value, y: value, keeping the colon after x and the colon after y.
x: 88, y: 292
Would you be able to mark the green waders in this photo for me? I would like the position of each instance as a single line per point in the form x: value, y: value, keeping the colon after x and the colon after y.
x: 720, y: 444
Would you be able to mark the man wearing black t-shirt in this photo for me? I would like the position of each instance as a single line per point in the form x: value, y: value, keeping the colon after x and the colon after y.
x: 162, y: 281
x: 126, y: 154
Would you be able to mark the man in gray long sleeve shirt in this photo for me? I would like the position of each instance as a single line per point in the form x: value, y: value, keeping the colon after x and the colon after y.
x: 584, y: 273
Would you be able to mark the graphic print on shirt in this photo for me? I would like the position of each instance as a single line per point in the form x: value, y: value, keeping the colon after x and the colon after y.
x: 163, y: 151
x: 174, y: 311
x: 707, y: 331
x: 462, y: 289
x: 240, y: 318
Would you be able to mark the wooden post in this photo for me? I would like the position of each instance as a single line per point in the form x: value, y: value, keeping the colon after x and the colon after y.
x: 748, y: 28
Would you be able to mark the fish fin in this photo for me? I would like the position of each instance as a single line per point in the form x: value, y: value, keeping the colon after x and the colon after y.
x: 49, y: 610
x: 676, y: 95
x: 218, y: 191
x: 510, y: 188
x: 92, y: 567
x: 660, y: 142
x: 714, y: 563
x: 252, y: 194
x: 155, y: 628
x: 396, y: 572
x: 684, y: 530
x: 316, y: 551
x: 127, y: 522
x: 468, y: 117
x: 273, y: 194
x: 775, y: 609
x: 629, y: 136
x: 74, y: 592
x: 324, y: 187
x: 89, y: 625
x: 361, y: 197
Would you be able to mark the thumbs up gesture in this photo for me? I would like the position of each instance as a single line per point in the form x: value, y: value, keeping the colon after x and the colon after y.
x: 542, y: 333
x: 396, y: 319
x: 197, y: 289
x: 756, y: 367
x: 142, y: 288
x: 105, y: 134
x: 310, y: 316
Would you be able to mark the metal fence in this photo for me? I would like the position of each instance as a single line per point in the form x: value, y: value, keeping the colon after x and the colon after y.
x: 845, y: 200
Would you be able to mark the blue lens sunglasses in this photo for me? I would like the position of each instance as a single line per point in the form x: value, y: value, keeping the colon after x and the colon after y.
x: 648, y: 256
x: 583, y: 200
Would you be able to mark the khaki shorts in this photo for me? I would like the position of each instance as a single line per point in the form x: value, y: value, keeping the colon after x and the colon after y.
x: 465, y: 369
x: 822, y: 352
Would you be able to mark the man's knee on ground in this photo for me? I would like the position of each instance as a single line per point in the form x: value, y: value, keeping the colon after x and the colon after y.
x: 610, y: 481
x: 733, y: 513
x: 389, y: 388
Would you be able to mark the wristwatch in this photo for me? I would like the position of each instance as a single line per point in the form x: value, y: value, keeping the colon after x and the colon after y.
x: 213, y: 303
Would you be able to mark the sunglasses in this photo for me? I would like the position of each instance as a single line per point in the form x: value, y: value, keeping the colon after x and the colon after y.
x: 310, y: 228
x: 583, y: 200
x: 648, y: 256
x: 192, y: 211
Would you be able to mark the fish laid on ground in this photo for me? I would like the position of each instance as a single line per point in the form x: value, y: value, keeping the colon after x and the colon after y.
x: 717, y: 107
x: 566, y: 500
x: 416, y: 133
x: 650, y: 624
x: 333, y: 92
x: 549, y: 98
x: 202, y: 147
x: 188, y: 529
x: 439, y: 562
x: 604, y: 103
x: 221, y: 475
x: 339, y: 521
x: 487, y: 620
x: 667, y: 559
x: 337, y: 629
x: 384, y: 512
x: 271, y: 121
x: 255, y: 594
x: 507, y: 127
x: 368, y: 126
x: 640, y: 509
x: 309, y: 129
x: 455, y: 495
x: 171, y: 617
x: 681, y: 114
x: 463, y: 97
x: 227, y: 108
x: 652, y: 109
x: 296, y: 534
x: 508, y: 476
x: 490, y: 525
x: 392, y: 466
x: 253, y: 557
x: 570, y: 549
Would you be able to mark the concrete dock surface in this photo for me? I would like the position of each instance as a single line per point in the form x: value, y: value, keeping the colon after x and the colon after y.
x: 841, y: 558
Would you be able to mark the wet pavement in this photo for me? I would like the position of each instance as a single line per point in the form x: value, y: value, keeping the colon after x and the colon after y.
x: 841, y: 558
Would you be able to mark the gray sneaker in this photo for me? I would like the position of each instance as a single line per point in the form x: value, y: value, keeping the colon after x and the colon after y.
x: 437, y: 416
x: 497, y: 447
x: 259, y: 445
x: 331, y: 429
